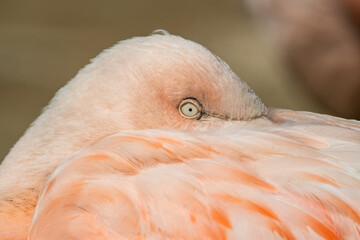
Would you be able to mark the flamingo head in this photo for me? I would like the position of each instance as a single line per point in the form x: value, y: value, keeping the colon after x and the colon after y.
x: 159, y: 81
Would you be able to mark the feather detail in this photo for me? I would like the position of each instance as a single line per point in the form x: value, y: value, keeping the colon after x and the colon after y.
x: 299, y: 183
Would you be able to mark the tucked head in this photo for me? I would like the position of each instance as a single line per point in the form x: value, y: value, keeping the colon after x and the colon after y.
x: 161, y: 81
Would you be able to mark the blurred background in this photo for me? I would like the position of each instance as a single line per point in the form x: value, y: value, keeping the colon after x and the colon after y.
x: 266, y: 42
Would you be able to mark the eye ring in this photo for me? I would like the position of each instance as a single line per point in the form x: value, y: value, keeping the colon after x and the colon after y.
x: 191, y: 108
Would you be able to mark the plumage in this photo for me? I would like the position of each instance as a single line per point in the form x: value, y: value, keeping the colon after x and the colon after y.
x: 114, y: 157
x: 302, y: 183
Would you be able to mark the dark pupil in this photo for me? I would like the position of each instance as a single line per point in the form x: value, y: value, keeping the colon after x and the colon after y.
x: 190, y: 109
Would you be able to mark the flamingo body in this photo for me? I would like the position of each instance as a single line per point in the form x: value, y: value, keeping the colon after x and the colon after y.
x: 285, y: 178
x: 157, y: 138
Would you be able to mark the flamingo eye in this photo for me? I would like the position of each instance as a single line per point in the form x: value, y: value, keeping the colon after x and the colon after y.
x: 190, y: 108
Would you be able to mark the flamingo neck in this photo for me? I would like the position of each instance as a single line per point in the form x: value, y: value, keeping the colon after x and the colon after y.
x: 53, y: 137
x: 32, y: 159
x: 25, y: 169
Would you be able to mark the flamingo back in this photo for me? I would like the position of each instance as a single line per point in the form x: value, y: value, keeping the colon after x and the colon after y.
x: 295, y: 176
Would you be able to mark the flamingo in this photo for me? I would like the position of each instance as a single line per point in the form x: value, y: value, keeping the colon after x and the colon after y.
x: 320, y: 42
x: 157, y: 138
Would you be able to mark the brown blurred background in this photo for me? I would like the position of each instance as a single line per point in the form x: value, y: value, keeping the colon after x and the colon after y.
x: 44, y: 43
